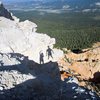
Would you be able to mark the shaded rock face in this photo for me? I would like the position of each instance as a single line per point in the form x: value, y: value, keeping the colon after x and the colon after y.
x: 4, y: 12
x: 24, y: 79
x: 96, y: 78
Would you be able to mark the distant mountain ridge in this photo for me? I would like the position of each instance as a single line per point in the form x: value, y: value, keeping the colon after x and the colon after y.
x: 67, y: 5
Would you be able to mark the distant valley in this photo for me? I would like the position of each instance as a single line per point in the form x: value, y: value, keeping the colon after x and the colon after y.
x: 74, y: 23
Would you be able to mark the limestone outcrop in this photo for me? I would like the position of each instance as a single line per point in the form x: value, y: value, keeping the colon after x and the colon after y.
x: 21, y: 37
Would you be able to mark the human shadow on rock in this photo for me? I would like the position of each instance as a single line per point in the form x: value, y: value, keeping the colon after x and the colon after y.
x: 47, y: 84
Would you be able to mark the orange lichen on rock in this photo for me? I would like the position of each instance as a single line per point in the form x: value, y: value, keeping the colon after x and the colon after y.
x: 86, y: 63
x: 65, y: 75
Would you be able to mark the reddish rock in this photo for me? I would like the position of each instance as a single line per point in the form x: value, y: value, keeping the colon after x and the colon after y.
x: 86, y: 64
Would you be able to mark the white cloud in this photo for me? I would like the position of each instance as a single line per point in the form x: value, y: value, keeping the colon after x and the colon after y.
x: 97, y: 4
x: 66, y: 6
x: 86, y: 10
x: 50, y: 11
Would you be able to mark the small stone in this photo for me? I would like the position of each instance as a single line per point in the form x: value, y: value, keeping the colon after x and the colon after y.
x: 1, y: 88
x: 75, y: 97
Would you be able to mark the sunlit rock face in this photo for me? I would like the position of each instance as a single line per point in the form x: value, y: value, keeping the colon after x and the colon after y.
x: 28, y: 26
x: 86, y: 63
x: 21, y: 37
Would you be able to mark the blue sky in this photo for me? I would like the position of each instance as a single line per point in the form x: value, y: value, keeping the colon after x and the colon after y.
x: 26, y: 0
x: 23, y: 0
x: 14, y: 0
x: 7, y: 1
